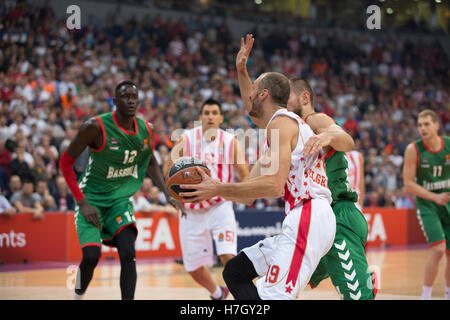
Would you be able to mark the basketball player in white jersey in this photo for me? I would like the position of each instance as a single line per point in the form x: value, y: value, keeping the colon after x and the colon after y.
x: 212, y: 219
x: 355, y: 161
x: 284, y: 262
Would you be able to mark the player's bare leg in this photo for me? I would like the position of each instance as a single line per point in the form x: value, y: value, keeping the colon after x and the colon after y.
x: 224, y: 258
x: 431, y: 269
x: 203, y: 278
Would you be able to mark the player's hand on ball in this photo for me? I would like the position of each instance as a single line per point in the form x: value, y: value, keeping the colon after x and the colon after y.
x: 442, y: 198
x: 316, y: 143
x: 244, y: 52
x: 201, y: 191
x: 89, y: 213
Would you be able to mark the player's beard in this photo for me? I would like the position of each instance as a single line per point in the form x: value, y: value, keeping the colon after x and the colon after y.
x: 256, y: 110
x: 298, y: 108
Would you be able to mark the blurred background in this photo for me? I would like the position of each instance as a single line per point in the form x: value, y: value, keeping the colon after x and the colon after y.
x: 180, y: 53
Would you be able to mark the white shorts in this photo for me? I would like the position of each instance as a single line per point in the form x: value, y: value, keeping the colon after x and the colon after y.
x: 285, y: 262
x: 198, y: 230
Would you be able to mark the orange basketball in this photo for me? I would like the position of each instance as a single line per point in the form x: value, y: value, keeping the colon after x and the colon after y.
x: 184, y: 171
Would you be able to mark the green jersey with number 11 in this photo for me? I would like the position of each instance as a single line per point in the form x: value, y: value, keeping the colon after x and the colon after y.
x: 433, y: 168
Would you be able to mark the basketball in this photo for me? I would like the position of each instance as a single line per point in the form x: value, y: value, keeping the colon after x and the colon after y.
x: 184, y: 171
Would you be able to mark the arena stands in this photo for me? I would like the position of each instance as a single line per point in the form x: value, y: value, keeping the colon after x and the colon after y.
x: 51, y: 80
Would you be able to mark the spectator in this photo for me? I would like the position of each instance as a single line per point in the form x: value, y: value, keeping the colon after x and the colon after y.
x: 402, y: 200
x: 373, y: 200
x: 49, y: 154
x: 15, y: 184
x: 147, y: 185
x: 18, y: 166
x: 388, y: 200
x: 63, y: 198
x: 47, y: 201
x: 396, y: 159
x: 6, y: 208
x: 351, y: 126
x: 5, y: 157
x: 68, y: 100
x: 28, y: 201
x: 143, y: 205
x: 156, y: 197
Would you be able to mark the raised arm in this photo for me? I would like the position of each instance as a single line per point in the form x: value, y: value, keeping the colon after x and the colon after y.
x: 328, y: 134
x: 245, y: 83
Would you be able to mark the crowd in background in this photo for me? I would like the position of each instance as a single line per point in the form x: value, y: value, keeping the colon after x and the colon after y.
x: 53, y: 79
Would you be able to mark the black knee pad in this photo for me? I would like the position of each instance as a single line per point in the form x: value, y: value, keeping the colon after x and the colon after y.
x: 91, y: 255
x: 125, y: 242
x: 239, y: 269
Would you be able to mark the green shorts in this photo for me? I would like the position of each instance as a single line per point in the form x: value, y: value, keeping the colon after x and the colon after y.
x: 346, y: 262
x: 113, y: 219
x: 435, y: 221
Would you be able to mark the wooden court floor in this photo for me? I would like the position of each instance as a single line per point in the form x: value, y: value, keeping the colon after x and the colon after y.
x: 400, y: 274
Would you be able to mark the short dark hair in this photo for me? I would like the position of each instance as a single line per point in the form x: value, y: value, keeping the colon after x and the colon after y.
x: 211, y: 102
x: 299, y: 85
x: 278, y: 86
x: 28, y: 178
x: 124, y: 83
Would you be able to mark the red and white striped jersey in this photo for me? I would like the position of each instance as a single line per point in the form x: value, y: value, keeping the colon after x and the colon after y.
x: 354, y: 170
x: 307, y: 177
x: 218, y: 155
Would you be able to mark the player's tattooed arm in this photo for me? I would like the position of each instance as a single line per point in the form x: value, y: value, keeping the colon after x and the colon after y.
x: 328, y: 134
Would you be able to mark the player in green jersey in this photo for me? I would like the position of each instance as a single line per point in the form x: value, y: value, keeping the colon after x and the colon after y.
x: 120, y: 153
x: 426, y: 174
x: 346, y: 263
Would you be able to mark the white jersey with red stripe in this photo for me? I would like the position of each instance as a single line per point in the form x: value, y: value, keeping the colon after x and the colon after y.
x: 354, y: 170
x: 216, y: 154
x: 307, y: 177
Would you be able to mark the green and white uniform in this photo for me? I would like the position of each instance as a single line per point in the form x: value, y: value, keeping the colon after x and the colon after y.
x: 113, y: 174
x: 346, y: 262
x: 433, y: 174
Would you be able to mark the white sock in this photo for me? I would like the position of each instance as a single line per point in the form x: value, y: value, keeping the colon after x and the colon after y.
x: 426, y: 293
x: 447, y: 293
x: 218, y: 293
x: 77, y: 296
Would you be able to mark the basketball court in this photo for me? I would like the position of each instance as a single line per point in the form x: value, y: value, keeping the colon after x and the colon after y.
x: 399, y: 270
